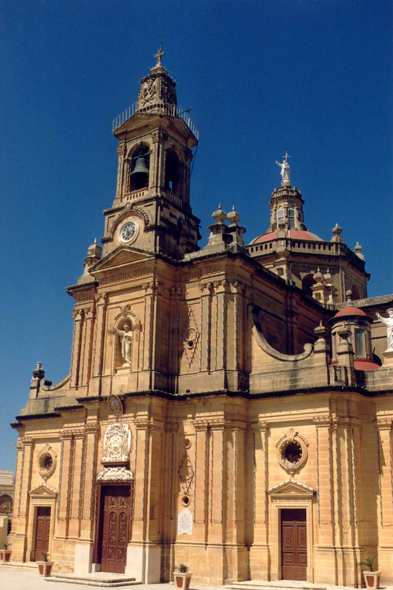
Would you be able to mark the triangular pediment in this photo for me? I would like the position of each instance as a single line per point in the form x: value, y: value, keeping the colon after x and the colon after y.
x: 121, y: 256
x: 291, y: 489
x: 43, y: 491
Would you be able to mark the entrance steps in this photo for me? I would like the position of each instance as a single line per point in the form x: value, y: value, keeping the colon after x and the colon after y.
x: 277, y: 585
x: 24, y: 564
x: 102, y: 579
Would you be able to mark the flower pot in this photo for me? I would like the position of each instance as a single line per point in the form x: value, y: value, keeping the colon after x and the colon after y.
x: 372, y: 579
x: 44, y: 568
x: 5, y: 555
x: 182, y: 581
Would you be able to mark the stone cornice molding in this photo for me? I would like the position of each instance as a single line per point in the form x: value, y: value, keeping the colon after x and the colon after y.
x: 27, y: 441
x: 320, y: 421
x: 78, y: 314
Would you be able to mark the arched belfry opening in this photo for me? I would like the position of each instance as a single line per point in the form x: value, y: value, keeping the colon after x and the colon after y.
x: 172, y: 172
x: 307, y: 283
x: 140, y: 165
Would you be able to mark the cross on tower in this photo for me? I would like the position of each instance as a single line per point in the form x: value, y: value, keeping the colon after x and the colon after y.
x: 159, y: 55
x: 286, y: 155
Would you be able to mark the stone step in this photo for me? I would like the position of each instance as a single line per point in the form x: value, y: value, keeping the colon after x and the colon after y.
x: 101, y: 579
x: 278, y: 585
x: 27, y: 564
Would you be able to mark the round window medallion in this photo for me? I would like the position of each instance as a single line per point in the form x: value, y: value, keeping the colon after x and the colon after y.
x: 46, y: 462
x: 187, y: 443
x: 292, y: 451
x: 128, y: 232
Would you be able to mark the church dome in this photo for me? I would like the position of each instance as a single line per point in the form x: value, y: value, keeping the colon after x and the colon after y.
x: 293, y: 234
x: 348, y: 311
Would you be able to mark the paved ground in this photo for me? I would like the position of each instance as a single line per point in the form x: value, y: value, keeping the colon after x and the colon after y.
x: 22, y: 578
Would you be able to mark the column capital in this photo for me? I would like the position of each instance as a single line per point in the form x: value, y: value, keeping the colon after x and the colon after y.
x: 261, y: 425
x: 384, y: 423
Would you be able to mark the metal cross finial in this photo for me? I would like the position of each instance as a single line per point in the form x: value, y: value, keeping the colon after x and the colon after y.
x: 159, y: 55
x: 286, y: 155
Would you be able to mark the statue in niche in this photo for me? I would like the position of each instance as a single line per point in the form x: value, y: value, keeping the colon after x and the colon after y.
x: 126, y: 337
x: 389, y: 324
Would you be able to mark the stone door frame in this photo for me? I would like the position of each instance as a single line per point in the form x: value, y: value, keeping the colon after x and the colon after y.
x: 96, y: 566
x: 41, y: 497
x: 291, y: 495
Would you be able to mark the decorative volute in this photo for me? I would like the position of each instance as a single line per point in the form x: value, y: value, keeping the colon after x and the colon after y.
x: 158, y: 88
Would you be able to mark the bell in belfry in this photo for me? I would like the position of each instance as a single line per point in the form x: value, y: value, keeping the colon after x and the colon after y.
x: 140, y: 166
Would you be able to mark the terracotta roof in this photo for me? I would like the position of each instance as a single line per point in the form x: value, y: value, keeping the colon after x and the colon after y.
x: 362, y: 365
x: 349, y: 310
x: 294, y: 234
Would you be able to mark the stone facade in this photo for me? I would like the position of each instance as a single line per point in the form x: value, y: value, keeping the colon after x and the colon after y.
x: 210, y: 397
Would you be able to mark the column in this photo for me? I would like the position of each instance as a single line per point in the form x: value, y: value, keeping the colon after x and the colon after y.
x: 101, y: 303
x: 76, y: 348
x: 324, y: 550
x: 205, y: 338
x: 259, y: 552
x: 21, y: 504
x: 87, y: 345
x: 64, y: 485
x: 76, y: 484
x: 201, y: 481
x: 385, y: 542
x: 121, y: 150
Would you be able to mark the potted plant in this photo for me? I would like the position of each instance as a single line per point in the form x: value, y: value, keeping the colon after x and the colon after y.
x: 5, y: 554
x: 182, y: 576
x: 371, y: 577
x: 45, y: 566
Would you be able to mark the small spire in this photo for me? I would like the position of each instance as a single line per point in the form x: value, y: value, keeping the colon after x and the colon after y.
x: 233, y: 216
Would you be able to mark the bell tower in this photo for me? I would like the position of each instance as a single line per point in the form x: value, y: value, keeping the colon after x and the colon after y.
x: 151, y: 210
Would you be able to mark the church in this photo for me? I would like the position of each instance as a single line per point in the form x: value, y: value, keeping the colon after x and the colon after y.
x: 229, y: 406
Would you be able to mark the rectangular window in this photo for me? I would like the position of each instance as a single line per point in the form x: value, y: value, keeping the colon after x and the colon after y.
x: 360, y: 351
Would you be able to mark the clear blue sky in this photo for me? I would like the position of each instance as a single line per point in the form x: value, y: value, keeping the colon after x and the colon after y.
x: 315, y: 75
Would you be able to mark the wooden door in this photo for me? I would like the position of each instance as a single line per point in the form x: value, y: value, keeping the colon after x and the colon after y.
x: 294, y: 544
x: 115, y: 523
x: 42, y: 527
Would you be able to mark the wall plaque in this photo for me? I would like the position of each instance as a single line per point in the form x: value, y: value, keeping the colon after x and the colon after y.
x: 184, y: 522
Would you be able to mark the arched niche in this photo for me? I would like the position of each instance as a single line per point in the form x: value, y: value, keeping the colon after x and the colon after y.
x: 307, y: 283
x: 172, y: 172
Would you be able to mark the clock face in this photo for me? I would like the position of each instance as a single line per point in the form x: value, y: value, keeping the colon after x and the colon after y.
x: 128, y: 231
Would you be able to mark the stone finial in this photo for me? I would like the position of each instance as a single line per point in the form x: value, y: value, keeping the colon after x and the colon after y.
x: 358, y: 251
x: 337, y: 231
x: 318, y: 276
x: 38, y: 372
x: 233, y: 216
x: 348, y: 297
x: 327, y: 277
x: 219, y: 216
x: 94, y: 251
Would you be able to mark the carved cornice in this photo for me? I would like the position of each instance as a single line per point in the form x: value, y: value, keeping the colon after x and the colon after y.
x: 78, y: 314
x: 27, y: 441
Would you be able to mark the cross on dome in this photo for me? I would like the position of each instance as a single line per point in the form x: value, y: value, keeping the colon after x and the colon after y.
x: 159, y: 55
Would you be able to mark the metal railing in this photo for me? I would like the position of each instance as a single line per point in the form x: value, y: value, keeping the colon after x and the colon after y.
x: 173, y: 110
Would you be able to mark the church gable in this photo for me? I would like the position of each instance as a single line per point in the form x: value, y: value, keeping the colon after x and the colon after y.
x: 121, y: 256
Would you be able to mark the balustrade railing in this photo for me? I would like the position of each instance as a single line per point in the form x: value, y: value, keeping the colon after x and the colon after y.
x: 173, y: 110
